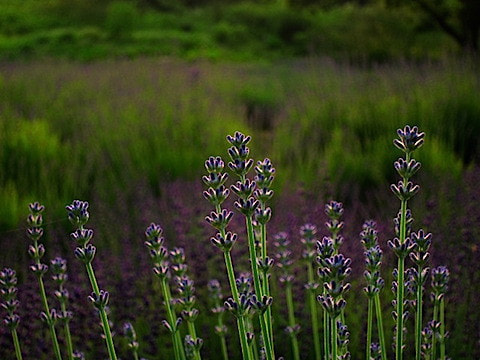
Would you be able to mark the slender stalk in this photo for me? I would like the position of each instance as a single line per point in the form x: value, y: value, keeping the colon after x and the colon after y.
x: 400, y: 290
x: 258, y: 290
x: 369, y: 329
x: 334, y: 339
x: 266, y: 285
x: 103, y: 314
x: 313, y: 312
x: 68, y: 337
x: 242, y: 332
x: 193, y: 334
x: 442, y: 329
x: 16, y: 344
x: 223, y: 342
x: 177, y: 342
x: 326, y: 334
x: 434, y: 338
x: 418, y: 319
x: 43, y: 295
x: 381, y: 334
x: 253, y: 344
x: 291, y: 321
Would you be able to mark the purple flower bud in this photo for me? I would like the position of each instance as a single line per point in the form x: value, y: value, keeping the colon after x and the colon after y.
x: 226, y: 242
x: 238, y: 139
x: 263, y: 216
x: 161, y: 270
x: 8, y: 278
x: 35, y: 220
x: 219, y: 220
x: 243, y: 189
x: 440, y: 278
x: 261, y: 305
x: 214, y: 164
x: 12, y: 321
x: 404, y: 191
x: 36, y: 208
x: 39, y: 269
x: 82, y: 236
x: 265, y: 264
x: 49, y: 318
x: 35, y: 233
x: 406, y: 169
x: 409, y: 139
x: 334, y: 210
x: 78, y: 213
x: 216, y: 196
x: 240, y: 167
x: 36, y: 252
x: 78, y: 355
x: 215, y: 180
x: 100, y: 300
x: 247, y: 207
x: 401, y: 249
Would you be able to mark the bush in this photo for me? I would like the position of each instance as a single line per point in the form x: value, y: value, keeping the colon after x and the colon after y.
x: 121, y: 19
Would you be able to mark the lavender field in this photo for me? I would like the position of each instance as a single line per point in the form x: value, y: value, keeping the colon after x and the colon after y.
x: 131, y: 137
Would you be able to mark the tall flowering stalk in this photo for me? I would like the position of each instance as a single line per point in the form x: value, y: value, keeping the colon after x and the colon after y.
x: 410, y: 139
x: 264, y: 177
x: 248, y: 205
x: 373, y: 260
x: 216, y: 194
x: 420, y: 256
x: 308, y: 238
x: 215, y: 292
x: 161, y: 268
x: 186, y: 290
x: 284, y: 263
x: 333, y: 272
x: 131, y: 335
x: 8, y: 292
x: 58, y: 267
x: 244, y: 286
x: 78, y: 215
x: 36, y: 252
x: 440, y: 278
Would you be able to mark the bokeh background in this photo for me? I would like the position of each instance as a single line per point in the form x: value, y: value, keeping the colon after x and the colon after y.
x: 120, y: 102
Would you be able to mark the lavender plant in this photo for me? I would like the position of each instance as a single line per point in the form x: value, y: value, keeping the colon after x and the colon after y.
x: 186, y: 290
x: 373, y: 260
x: 161, y: 268
x: 410, y: 139
x: 78, y: 215
x: 248, y: 206
x: 307, y: 233
x: 58, y: 267
x: 8, y: 292
x: 215, y: 292
x: 131, y: 335
x: 440, y: 278
x: 420, y: 257
x: 284, y: 263
x: 219, y: 219
x: 36, y: 252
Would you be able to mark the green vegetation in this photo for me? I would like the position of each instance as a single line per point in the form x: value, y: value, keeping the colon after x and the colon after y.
x: 86, y: 30
x: 97, y: 130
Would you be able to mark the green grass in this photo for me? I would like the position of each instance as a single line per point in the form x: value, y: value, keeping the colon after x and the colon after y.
x: 75, y: 130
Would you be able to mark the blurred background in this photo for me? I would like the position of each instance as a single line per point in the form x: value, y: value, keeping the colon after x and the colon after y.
x: 120, y: 102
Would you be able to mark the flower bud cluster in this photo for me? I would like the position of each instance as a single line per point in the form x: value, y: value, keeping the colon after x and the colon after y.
x: 131, y: 335
x: 333, y: 271
x: 440, y: 278
x: 8, y: 292
x: 373, y: 258
x: 58, y: 267
x: 334, y: 211
x: 283, y: 256
x: 343, y: 339
x: 35, y: 233
x: 78, y: 215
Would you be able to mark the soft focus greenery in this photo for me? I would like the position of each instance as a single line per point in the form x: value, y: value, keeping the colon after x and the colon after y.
x: 71, y: 130
x: 85, y: 30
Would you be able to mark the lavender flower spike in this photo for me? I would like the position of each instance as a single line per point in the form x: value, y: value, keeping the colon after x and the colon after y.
x: 8, y: 293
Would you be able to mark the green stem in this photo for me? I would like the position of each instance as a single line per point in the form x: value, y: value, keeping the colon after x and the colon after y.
x: 434, y: 338
x: 442, y: 329
x: 313, y: 312
x: 176, y: 340
x: 381, y: 334
x: 16, y: 344
x: 266, y: 286
x: 223, y: 343
x: 135, y: 355
x: 369, y: 328
x: 103, y: 314
x: 242, y: 333
x: 68, y: 337
x: 253, y: 344
x: 418, y: 319
x: 291, y: 321
x: 334, y: 339
x: 400, y: 280
x: 43, y: 295
x: 258, y: 290
x: 193, y: 334
x: 326, y: 333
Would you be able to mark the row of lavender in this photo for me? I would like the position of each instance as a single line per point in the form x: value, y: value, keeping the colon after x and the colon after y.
x: 251, y: 299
